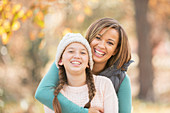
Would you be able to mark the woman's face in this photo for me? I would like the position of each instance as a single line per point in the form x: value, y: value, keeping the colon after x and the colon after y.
x: 75, y: 58
x: 104, y: 45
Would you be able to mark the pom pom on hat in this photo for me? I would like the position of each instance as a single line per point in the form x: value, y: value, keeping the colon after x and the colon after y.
x: 68, y: 39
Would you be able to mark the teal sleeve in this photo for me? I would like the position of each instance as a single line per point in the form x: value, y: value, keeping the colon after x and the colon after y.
x: 45, y: 93
x: 124, y: 96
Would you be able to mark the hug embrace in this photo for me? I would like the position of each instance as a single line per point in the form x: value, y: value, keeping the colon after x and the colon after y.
x: 89, y: 74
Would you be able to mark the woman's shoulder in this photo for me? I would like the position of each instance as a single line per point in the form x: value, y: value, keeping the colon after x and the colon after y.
x: 126, y: 84
x: 126, y: 79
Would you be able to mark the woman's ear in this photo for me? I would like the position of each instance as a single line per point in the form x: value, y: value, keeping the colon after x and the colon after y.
x: 60, y: 62
x: 88, y: 65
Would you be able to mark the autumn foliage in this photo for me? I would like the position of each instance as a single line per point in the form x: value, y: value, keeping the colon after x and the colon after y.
x: 13, y: 14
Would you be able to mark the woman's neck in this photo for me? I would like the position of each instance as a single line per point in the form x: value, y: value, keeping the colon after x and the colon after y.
x: 97, y: 68
x: 76, y: 80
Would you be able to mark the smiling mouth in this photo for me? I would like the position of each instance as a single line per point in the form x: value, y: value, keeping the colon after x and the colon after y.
x: 75, y: 62
x: 99, y: 53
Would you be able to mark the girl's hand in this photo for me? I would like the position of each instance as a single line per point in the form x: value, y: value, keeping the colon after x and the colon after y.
x: 95, y: 110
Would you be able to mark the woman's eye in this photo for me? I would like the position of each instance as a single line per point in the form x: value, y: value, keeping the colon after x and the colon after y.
x: 98, y: 38
x: 110, y: 43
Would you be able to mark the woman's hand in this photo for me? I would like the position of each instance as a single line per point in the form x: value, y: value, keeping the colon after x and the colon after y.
x: 95, y: 110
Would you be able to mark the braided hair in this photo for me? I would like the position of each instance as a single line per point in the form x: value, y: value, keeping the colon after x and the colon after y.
x: 63, y: 80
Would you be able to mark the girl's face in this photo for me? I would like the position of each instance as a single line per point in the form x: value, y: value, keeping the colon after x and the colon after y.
x: 104, y: 45
x: 75, y: 58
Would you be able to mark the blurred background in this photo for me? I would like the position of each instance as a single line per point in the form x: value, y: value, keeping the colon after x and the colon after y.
x: 31, y: 29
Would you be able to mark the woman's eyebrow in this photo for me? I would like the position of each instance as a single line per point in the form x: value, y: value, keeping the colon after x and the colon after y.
x: 112, y: 40
x: 99, y: 35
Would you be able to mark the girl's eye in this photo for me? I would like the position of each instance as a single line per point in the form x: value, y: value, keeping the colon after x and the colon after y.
x: 83, y: 53
x: 70, y: 51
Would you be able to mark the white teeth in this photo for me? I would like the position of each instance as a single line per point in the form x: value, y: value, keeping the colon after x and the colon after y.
x: 75, y: 62
x: 98, y: 52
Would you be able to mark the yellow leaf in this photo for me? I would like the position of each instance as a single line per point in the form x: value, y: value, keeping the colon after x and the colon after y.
x: 2, y: 30
x: 40, y: 15
x: 21, y: 13
x: 77, y: 5
x: 88, y: 11
x: 40, y: 23
x: 7, y: 8
x: 66, y: 30
x: 15, y: 26
x: 51, y: 0
x: 8, y: 15
x: 95, y: 0
x: 80, y: 18
x: 6, y: 24
x: 1, y: 21
x: 4, y: 1
x: 41, y: 34
x: 5, y: 38
x: 29, y: 13
x: 1, y: 8
x: 16, y: 8
x: 153, y: 3
x: 32, y: 36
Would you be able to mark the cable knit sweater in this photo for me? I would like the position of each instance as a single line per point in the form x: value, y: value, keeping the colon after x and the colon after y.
x: 105, y: 96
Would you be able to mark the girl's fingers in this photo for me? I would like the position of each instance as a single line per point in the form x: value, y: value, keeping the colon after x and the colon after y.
x: 95, y: 110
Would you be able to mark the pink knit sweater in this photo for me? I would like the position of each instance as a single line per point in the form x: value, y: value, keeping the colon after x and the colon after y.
x: 105, y: 97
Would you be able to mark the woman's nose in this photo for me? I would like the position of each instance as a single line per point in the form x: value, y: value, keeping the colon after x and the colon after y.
x: 101, y: 44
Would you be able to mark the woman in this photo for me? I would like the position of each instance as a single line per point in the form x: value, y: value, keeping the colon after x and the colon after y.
x: 111, y: 56
x: 77, y: 83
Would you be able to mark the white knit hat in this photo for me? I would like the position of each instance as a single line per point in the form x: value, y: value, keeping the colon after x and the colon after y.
x: 68, y: 39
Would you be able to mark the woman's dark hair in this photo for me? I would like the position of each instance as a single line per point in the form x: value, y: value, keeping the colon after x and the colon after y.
x: 123, y: 52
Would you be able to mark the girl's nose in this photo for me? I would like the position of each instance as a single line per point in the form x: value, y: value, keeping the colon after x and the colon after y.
x: 77, y: 55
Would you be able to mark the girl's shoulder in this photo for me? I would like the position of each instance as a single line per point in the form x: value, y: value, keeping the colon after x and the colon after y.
x: 102, y: 81
x: 101, y: 78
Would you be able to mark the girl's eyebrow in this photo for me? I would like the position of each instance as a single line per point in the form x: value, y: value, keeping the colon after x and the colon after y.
x: 70, y: 48
x: 74, y: 48
x: 83, y: 49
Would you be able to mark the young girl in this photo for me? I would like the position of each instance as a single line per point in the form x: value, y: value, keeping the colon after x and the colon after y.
x: 111, y: 56
x: 77, y: 83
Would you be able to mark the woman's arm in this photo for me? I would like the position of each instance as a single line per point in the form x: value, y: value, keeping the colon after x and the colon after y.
x: 45, y: 93
x: 124, y: 96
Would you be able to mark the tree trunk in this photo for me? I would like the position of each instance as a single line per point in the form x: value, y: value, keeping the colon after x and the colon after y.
x: 144, y: 51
